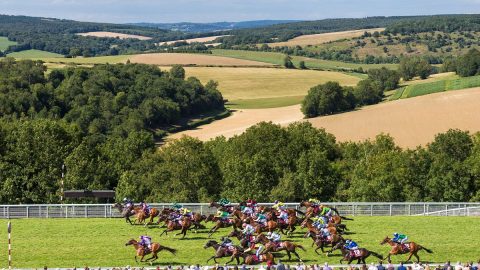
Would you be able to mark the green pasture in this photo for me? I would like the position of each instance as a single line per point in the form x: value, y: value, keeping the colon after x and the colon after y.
x: 4, y: 43
x: 420, y: 89
x: 264, y: 103
x: 33, y: 54
x: 100, y: 242
x: 85, y: 60
x: 277, y: 59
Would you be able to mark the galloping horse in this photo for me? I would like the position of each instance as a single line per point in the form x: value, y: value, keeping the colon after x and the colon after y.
x: 271, y: 225
x: 271, y: 246
x: 412, y: 248
x: 244, y: 241
x: 221, y: 252
x: 141, y: 252
x: 314, y: 210
x: 235, y: 222
x: 309, y: 224
x: 321, y: 242
x: 360, y: 255
x: 172, y: 226
x: 289, y: 225
x: 126, y: 212
x: 253, y: 259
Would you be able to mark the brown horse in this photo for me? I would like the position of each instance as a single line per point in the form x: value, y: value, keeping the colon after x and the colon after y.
x: 271, y: 246
x: 289, y: 225
x: 141, y: 252
x: 360, y: 255
x: 173, y: 225
x: 151, y: 215
x: 126, y: 212
x: 309, y: 224
x: 322, y: 242
x: 244, y: 241
x: 220, y: 223
x: 253, y: 259
x: 220, y: 252
x: 313, y: 210
x: 412, y: 248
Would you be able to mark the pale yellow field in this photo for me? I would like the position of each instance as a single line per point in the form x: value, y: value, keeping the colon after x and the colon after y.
x: 256, y: 83
x: 411, y: 122
x: 166, y: 59
x: 201, y: 40
x: 113, y: 35
x: 323, y: 38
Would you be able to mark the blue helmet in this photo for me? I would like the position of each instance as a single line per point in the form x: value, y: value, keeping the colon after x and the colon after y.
x: 395, y: 234
x: 348, y: 241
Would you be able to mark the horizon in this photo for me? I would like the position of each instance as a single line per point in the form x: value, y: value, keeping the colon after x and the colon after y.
x: 197, y: 11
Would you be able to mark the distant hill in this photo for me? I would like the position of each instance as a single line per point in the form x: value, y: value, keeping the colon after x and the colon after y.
x: 212, y: 27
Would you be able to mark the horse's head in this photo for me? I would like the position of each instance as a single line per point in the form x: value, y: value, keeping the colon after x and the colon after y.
x: 386, y: 240
x: 131, y: 242
x: 210, y: 243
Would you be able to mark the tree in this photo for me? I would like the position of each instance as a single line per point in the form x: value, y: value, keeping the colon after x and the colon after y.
x: 301, y: 65
x: 469, y: 63
x: 178, y: 72
x: 287, y: 62
x: 386, y: 79
x: 325, y: 99
x: 368, y: 92
x: 411, y: 67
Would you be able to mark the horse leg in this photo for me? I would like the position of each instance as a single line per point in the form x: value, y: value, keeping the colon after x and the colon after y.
x: 288, y: 254
x: 410, y: 256
x: 416, y: 256
x: 296, y: 254
x: 136, y: 259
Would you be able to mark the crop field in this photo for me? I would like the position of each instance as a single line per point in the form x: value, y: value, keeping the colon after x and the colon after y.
x: 411, y: 122
x: 277, y: 59
x: 85, y: 60
x: 201, y: 40
x: 323, y: 38
x: 32, y: 54
x: 165, y: 59
x: 113, y: 35
x: 436, y: 85
x: 101, y: 242
x: 4, y: 43
x: 266, y: 87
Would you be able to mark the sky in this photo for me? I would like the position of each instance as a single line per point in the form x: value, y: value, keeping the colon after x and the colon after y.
x: 128, y: 11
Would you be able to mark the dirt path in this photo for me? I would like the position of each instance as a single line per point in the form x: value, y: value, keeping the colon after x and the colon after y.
x: 241, y: 120
x: 412, y: 121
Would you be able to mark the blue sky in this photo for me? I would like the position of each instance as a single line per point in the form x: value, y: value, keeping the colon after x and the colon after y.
x: 120, y: 11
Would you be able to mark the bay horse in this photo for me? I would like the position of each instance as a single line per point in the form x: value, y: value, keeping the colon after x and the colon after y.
x: 321, y: 242
x: 253, y: 259
x: 141, y: 252
x: 271, y: 246
x: 360, y: 256
x: 412, y: 248
x: 126, y: 212
x: 309, y: 224
x: 221, y: 252
x: 314, y: 210
x: 245, y: 242
x: 289, y: 225
x: 271, y: 225
x: 235, y: 222
x: 173, y: 225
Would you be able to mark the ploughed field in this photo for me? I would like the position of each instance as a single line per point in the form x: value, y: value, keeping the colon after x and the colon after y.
x: 101, y: 242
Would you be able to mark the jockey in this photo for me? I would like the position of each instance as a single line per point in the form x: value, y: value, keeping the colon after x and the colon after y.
x: 223, y: 215
x: 326, y: 211
x: 226, y: 243
x: 399, y: 238
x: 350, y: 245
x: 283, y: 215
x: 314, y: 202
x: 224, y: 202
x: 319, y: 222
x: 146, y: 242
x: 252, y: 204
x: 278, y: 205
x: 274, y: 237
x: 247, y: 210
x: 127, y: 203
x: 248, y: 230
x: 185, y: 212
x: 145, y: 208
x: 261, y: 219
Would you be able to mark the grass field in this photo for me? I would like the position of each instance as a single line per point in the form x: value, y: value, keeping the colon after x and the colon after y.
x: 198, y: 59
x: 323, y: 38
x: 100, y: 242
x: 32, y: 54
x: 448, y: 83
x: 4, y: 43
x: 266, y: 87
x: 113, y: 35
x: 277, y: 59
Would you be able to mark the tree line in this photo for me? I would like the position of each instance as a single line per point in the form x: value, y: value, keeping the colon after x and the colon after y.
x: 267, y: 162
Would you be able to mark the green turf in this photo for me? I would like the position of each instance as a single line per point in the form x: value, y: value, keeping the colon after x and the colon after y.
x: 87, y: 60
x: 398, y: 94
x: 4, y: 43
x: 277, y: 59
x: 100, y: 242
x: 34, y: 54
x: 264, y: 103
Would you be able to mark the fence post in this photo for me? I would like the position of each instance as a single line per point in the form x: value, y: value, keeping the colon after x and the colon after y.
x: 105, y: 211
x: 390, y: 209
x: 409, y: 209
x: 28, y: 212
x: 353, y: 209
x: 446, y: 209
x: 86, y: 211
x: 47, y: 210
x: 371, y: 210
x: 424, y: 209
x: 201, y: 209
x: 8, y: 211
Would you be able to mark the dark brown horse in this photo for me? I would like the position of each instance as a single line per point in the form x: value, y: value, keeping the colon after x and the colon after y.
x: 141, y: 252
x: 244, y: 241
x: 221, y: 223
x: 360, y: 255
x: 220, y: 252
x: 126, y: 212
x: 313, y: 210
x: 411, y: 248
x: 271, y: 246
x: 173, y: 225
x: 322, y: 242
x: 253, y: 259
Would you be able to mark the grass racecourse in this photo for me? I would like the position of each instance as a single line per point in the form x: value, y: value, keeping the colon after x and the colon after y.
x: 101, y: 242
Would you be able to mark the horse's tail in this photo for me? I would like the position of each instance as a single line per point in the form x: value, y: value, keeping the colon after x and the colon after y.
x: 171, y: 250
x: 300, y: 246
x: 345, y: 218
x: 426, y: 249
x: 376, y: 255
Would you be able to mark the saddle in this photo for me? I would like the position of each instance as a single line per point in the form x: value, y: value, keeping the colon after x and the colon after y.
x: 355, y: 253
x: 405, y: 247
x: 278, y: 244
x: 258, y: 259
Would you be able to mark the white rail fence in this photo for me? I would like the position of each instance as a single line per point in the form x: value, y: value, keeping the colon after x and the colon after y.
x: 345, y: 209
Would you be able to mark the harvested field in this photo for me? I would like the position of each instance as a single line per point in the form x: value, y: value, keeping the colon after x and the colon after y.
x: 113, y: 35
x: 166, y: 59
x: 241, y: 120
x: 323, y: 38
x: 201, y: 40
x: 412, y: 122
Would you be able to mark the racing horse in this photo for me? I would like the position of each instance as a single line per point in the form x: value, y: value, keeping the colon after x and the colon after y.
x: 271, y: 246
x: 360, y: 254
x: 183, y: 225
x: 220, y: 252
x: 221, y: 223
x: 315, y: 210
x: 412, y: 248
x: 322, y: 242
x: 289, y: 225
x: 141, y: 251
x: 253, y: 259
x: 126, y: 212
